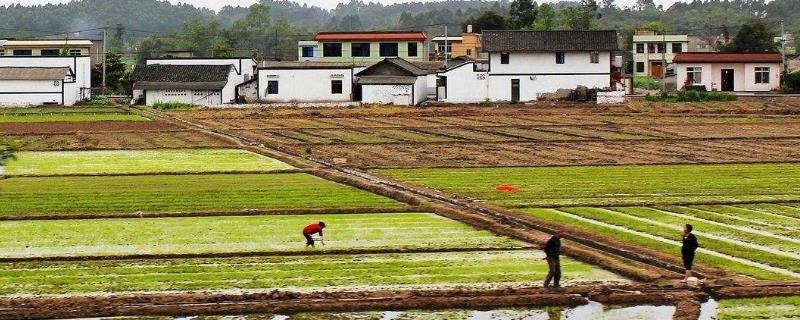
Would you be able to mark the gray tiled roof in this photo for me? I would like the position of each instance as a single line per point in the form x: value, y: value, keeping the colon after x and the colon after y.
x: 518, y: 40
x: 33, y: 73
x: 387, y: 80
x: 175, y: 74
x: 311, y: 65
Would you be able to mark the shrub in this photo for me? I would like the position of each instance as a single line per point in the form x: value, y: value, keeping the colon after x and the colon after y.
x: 648, y: 83
x: 791, y: 82
x: 691, y: 96
x: 95, y: 101
x: 172, y: 105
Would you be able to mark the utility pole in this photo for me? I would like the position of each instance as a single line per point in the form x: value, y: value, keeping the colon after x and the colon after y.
x: 783, y: 47
x: 446, y: 55
x: 105, y: 33
x: 275, y: 47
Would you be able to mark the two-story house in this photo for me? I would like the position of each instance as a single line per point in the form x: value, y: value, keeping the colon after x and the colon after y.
x: 525, y: 64
x: 361, y: 47
x: 50, y: 48
x: 652, y: 52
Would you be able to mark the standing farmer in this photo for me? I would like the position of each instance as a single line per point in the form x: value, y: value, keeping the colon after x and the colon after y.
x: 687, y: 250
x: 312, y: 229
x: 553, y: 250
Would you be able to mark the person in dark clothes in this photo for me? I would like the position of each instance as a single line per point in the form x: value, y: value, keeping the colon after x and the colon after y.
x: 311, y: 229
x: 552, y: 250
x: 687, y: 250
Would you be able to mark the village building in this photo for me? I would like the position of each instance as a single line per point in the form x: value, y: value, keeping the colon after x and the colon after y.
x: 194, y: 84
x: 522, y: 65
x: 297, y: 81
x: 393, y: 81
x: 653, y: 52
x: 52, y: 48
x: 363, y: 47
x: 32, y: 80
x: 468, y: 45
x: 244, y: 71
x: 739, y: 71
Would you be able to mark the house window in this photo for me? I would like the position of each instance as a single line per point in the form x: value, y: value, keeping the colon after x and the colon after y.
x: 594, y: 57
x: 389, y: 49
x: 51, y: 52
x: 332, y: 49
x: 336, y: 86
x: 272, y: 87
x: 469, y: 52
x: 762, y: 74
x: 640, y: 48
x: 677, y: 47
x: 560, y: 57
x: 640, y: 67
x: 2, y: 52
x: 694, y: 75
x: 23, y: 52
x: 441, y: 47
x: 504, y: 58
x: 651, y: 48
x: 361, y: 49
x: 75, y: 52
x: 660, y: 48
x: 412, y: 49
x: 308, y: 52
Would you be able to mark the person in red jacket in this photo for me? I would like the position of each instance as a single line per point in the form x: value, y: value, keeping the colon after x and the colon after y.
x: 312, y: 229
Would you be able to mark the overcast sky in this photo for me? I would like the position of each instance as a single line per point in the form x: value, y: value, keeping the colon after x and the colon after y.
x: 216, y: 4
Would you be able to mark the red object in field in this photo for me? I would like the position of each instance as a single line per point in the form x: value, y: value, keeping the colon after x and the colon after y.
x: 506, y: 188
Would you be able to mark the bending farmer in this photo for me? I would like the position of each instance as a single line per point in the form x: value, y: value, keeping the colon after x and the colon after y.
x: 312, y: 229
x: 553, y: 249
x: 687, y: 250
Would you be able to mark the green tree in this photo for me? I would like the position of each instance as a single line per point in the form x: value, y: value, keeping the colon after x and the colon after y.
x: 8, y: 152
x: 546, y: 18
x: 754, y: 36
x: 487, y: 20
x: 116, y: 71
x: 522, y: 14
x: 580, y: 18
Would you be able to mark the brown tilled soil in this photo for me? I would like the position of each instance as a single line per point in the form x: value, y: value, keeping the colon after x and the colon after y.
x: 74, y: 127
x: 749, y: 130
x: 118, y: 140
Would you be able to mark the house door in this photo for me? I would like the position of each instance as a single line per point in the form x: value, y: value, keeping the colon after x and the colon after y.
x: 657, y: 69
x: 357, y: 92
x: 514, y: 90
x: 727, y: 80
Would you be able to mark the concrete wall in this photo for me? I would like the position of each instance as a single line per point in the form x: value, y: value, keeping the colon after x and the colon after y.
x: 537, y: 72
x: 197, y: 97
x: 465, y: 85
x: 75, y: 89
x: 387, y: 94
x: 421, y: 90
x: 577, y: 62
x: 743, y: 75
x: 305, y: 85
x: 30, y: 92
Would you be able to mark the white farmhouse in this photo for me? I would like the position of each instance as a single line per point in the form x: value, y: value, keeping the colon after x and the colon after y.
x: 245, y: 70
x: 735, y: 71
x: 525, y: 64
x: 38, y: 80
x: 393, y: 81
x: 307, y: 81
x: 190, y: 84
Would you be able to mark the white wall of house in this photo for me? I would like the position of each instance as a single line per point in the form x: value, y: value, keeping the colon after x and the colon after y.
x: 421, y: 90
x: 744, y: 75
x: 305, y: 85
x: 75, y: 89
x: 30, y: 92
x: 464, y: 85
x: 198, y: 97
x: 430, y: 86
x: 397, y: 94
x: 577, y: 62
x: 537, y: 73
